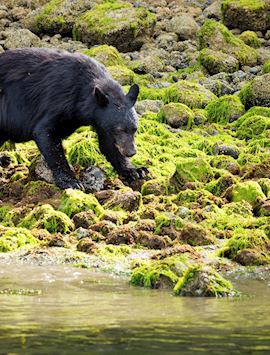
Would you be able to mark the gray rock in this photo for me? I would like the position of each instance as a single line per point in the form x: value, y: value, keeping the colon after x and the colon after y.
x: 148, y: 105
x: 226, y: 150
x: 184, y: 26
x: 93, y: 179
x: 19, y: 38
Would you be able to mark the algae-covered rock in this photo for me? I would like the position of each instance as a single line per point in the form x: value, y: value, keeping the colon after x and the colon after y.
x: 57, y: 16
x: 86, y: 245
x: 195, y: 234
x: 122, y: 74
x: 199, y: 281
x: 107, y: 55
x: 117, y: 23
x: 225, y: 109
x: 253, y: 127
x: 266, y: 67
x: 216, y: 61
x: 250, y: 38
x: 117, y: 199
x: 256, y: 92
x: 15, y: 238
x: 84, y: 219
x: 246, y: 14
x: 148, y: 65
x: 46, y: 217
x: 216, y: 36
x: 218, y: 187
x: 75, y: 201
x: 250, y: 257
x: 158, y: 274
x: 191, y: 170
x: 249, y: 191
x: 177, y: 115
x: 191, y: 94
x: 152, y: 241
x: 243, y: 239
x: 122, y: 235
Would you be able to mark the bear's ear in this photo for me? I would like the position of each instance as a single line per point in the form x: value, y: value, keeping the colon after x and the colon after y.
x: 101, y: 98
x: 133, y: 94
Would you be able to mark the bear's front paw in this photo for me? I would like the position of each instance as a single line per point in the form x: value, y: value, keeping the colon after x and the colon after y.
x: 133, y: 174
x: 65, y: 182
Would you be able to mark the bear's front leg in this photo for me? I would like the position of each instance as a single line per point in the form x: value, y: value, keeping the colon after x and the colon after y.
x: 120, y: 163
x: 52, y: 150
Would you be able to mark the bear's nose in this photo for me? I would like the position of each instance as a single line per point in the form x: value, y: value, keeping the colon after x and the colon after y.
x: 130, y: 153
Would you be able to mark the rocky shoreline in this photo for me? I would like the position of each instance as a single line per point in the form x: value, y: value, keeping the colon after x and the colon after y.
x: 203, y: 68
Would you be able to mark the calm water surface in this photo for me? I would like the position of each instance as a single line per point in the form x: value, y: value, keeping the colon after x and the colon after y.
x: 79, y: 312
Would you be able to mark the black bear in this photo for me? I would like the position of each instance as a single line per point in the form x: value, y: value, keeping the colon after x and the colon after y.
x: 46, y: 94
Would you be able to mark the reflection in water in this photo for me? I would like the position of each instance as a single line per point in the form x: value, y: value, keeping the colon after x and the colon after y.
x: 82, y: 312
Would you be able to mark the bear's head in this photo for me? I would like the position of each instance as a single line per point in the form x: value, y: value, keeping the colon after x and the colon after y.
x: 116, y: 118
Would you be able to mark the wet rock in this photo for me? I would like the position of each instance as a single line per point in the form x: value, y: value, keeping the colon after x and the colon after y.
x: 265, y: 208
x: 42, y: 170
x: 93, y: 179
x: 18, y: 38
x: 122, y: 235
x: 184, y: 26
x: 103, y: 227
x: 226, y: 150
x: 200, y: 281
x: 86, y: 245
x: 194, y: 235
x: 80, y: 233
x: 246, y: 15
x: 84, y: 219
x: 147, y: 225
x: 177, y: 250
x: 5, y: 160
x: 249, y: 257
x: 56, y: 240
x: 151, y: 241
x: 213, y: 11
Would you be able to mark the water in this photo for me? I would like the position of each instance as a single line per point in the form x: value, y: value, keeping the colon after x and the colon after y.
x: 79, y: 312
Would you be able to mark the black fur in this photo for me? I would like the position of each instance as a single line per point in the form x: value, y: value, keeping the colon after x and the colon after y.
x: 47, y: 94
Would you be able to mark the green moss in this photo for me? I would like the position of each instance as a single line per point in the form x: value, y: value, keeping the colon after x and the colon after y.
x: 75, y: 201
x: 216, y: 61
x: 107, y: 55
x: 219, y: 186
x: 4, y: 210
x: 254, y: 111
x: 253, y: 127
x: 122, y: 74
x: 225, y: 109
x: 249, y: 4
x: 265, y: 186
x: 158, y: 274
x: 256, y: 92
x: 251, y: 39
x: 191, y: 170
x: 246, y: 239
x: 203, y: 281
x: 15, y: 238
x: 176, y: 115
x: 167, y: 220
x: 46, y: 217
x: 249, y: 191
x: 216, y: 36
x: 266, y: 66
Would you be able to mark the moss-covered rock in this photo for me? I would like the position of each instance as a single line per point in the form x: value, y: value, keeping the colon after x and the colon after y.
x: 121, y: 74
x: 256, y: 92
x: 48, y: 218
x: 57, y: 16
x: 15, y: 238
x: 250, y: 38
x: 195, y: 234
x: 225, y: 109
x: 246, y: 14
x: 107, y: 55
x: 177, y: 115
x: 117, y: 23
x: 242, y: 239
x: 249, y: 191
x: 216, y: 36
x: 266, y: 67
x: 75, y: 201
x: 201, y: 281
x: 254, y: 127
x: 191, y: 170
x: 216, y: 61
